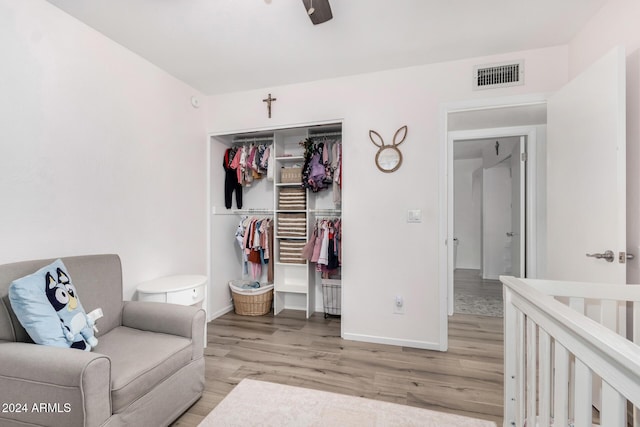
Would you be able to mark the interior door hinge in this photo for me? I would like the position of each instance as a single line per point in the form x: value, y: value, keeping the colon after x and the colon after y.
x: 524, y: 157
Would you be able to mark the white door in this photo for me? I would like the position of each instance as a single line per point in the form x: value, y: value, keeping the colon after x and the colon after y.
x: 586, y: 174
x: 496, y: 220
x: 586, y: 183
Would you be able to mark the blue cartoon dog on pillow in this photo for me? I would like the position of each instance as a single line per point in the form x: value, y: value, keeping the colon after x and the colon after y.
x: 77, y: 327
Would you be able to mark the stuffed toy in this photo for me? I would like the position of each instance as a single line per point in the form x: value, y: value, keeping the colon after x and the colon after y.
x: 47, y: 306
x: 76, y: 326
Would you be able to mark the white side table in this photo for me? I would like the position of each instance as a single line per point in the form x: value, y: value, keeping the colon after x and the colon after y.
x: 181, y: 289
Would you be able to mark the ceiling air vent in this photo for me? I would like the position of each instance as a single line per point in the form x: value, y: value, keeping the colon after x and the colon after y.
x: 498, y: 75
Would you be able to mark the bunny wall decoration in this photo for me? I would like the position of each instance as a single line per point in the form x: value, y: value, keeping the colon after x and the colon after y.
x: 388, y: 157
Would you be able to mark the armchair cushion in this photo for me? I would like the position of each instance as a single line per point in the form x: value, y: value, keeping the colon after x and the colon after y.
x: 74, y: 383
x: 47, y: 305
x: 140, y: 361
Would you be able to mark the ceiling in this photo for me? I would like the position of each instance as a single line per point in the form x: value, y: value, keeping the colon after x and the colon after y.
x: 220, y: 46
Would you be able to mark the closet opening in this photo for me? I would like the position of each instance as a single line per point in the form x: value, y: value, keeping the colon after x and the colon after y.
x: 275, y: 208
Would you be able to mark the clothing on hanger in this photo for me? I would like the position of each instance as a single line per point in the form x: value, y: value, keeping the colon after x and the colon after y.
x: 231, y: 183
x: 322, y: 165
x: 251, y: 162
x: 324, y: 245
x: 254, y: 235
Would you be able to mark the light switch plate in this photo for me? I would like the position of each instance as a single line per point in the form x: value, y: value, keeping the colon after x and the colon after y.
x: 414, y: 215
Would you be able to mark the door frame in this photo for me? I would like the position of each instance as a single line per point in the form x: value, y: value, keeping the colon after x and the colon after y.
x: 446, y: 189
x: 529, y: 132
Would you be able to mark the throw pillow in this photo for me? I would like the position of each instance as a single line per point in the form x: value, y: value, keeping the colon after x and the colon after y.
x: 48, y: 307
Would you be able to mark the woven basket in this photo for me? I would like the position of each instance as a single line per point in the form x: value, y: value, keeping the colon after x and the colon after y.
x: 291, y: 251
x: 292, y: 199
x: 291, y: 175
x: 292, y: 225
x: 252, y: 305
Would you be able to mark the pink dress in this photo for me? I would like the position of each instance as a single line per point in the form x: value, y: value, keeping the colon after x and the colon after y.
x: 318, y: 244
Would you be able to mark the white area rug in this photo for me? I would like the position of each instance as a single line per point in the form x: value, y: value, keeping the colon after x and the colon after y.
x: 259, y: 403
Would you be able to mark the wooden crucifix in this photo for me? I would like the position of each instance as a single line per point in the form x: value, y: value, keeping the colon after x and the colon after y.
x: 269, y: 100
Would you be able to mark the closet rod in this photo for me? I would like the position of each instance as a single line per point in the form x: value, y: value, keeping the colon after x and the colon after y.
x: 253, y: 211
x: 245, y: 140
x: 243, y: 212
x: 320, y: 135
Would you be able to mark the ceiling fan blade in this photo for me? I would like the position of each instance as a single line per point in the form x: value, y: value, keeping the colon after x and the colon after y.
x: 321, y: 13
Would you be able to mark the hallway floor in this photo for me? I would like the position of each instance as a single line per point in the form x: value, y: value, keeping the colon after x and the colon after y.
x: 475, y: 295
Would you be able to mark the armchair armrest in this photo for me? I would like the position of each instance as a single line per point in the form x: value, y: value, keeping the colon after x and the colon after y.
x: 173, y: 319
x: 53, y: 386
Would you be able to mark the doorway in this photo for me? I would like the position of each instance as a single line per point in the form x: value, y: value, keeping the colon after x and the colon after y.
x: 489, y: 203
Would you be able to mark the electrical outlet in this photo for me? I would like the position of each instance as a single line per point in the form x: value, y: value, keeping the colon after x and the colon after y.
x: 398, y: 305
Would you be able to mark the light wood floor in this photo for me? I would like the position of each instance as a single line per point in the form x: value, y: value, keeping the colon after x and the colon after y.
x: 290, y: 349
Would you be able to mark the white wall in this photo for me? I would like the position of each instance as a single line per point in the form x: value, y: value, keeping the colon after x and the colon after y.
x: 100, y: 151
x: 467, y: 213
x: 384, y: 255
x: 617, y: 24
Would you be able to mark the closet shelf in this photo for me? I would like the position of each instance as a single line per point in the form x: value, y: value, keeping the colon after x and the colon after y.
x: 293, y: 288
x: 328, y: 211
x: 291, y: 211
x: 292, y: 264
x: 289, y: 184
x: 299, y: 158
x: 325, y: 134
x: 280, y: 236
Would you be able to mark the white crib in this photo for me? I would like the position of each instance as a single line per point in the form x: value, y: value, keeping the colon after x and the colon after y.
x: 558, y: 361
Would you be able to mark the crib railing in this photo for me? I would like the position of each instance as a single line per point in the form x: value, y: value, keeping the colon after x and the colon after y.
x: 556, y: 354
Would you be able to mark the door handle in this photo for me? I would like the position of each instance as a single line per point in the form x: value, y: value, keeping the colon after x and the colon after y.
x: 607, y: 255
x: 510, y: 233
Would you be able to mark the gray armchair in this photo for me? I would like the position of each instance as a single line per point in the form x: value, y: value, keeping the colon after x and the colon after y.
x: 146, y: 370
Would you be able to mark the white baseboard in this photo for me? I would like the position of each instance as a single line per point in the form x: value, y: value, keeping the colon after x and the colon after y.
x: 219, y: 313
x: 227, y: 309
x: 425, y: 345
